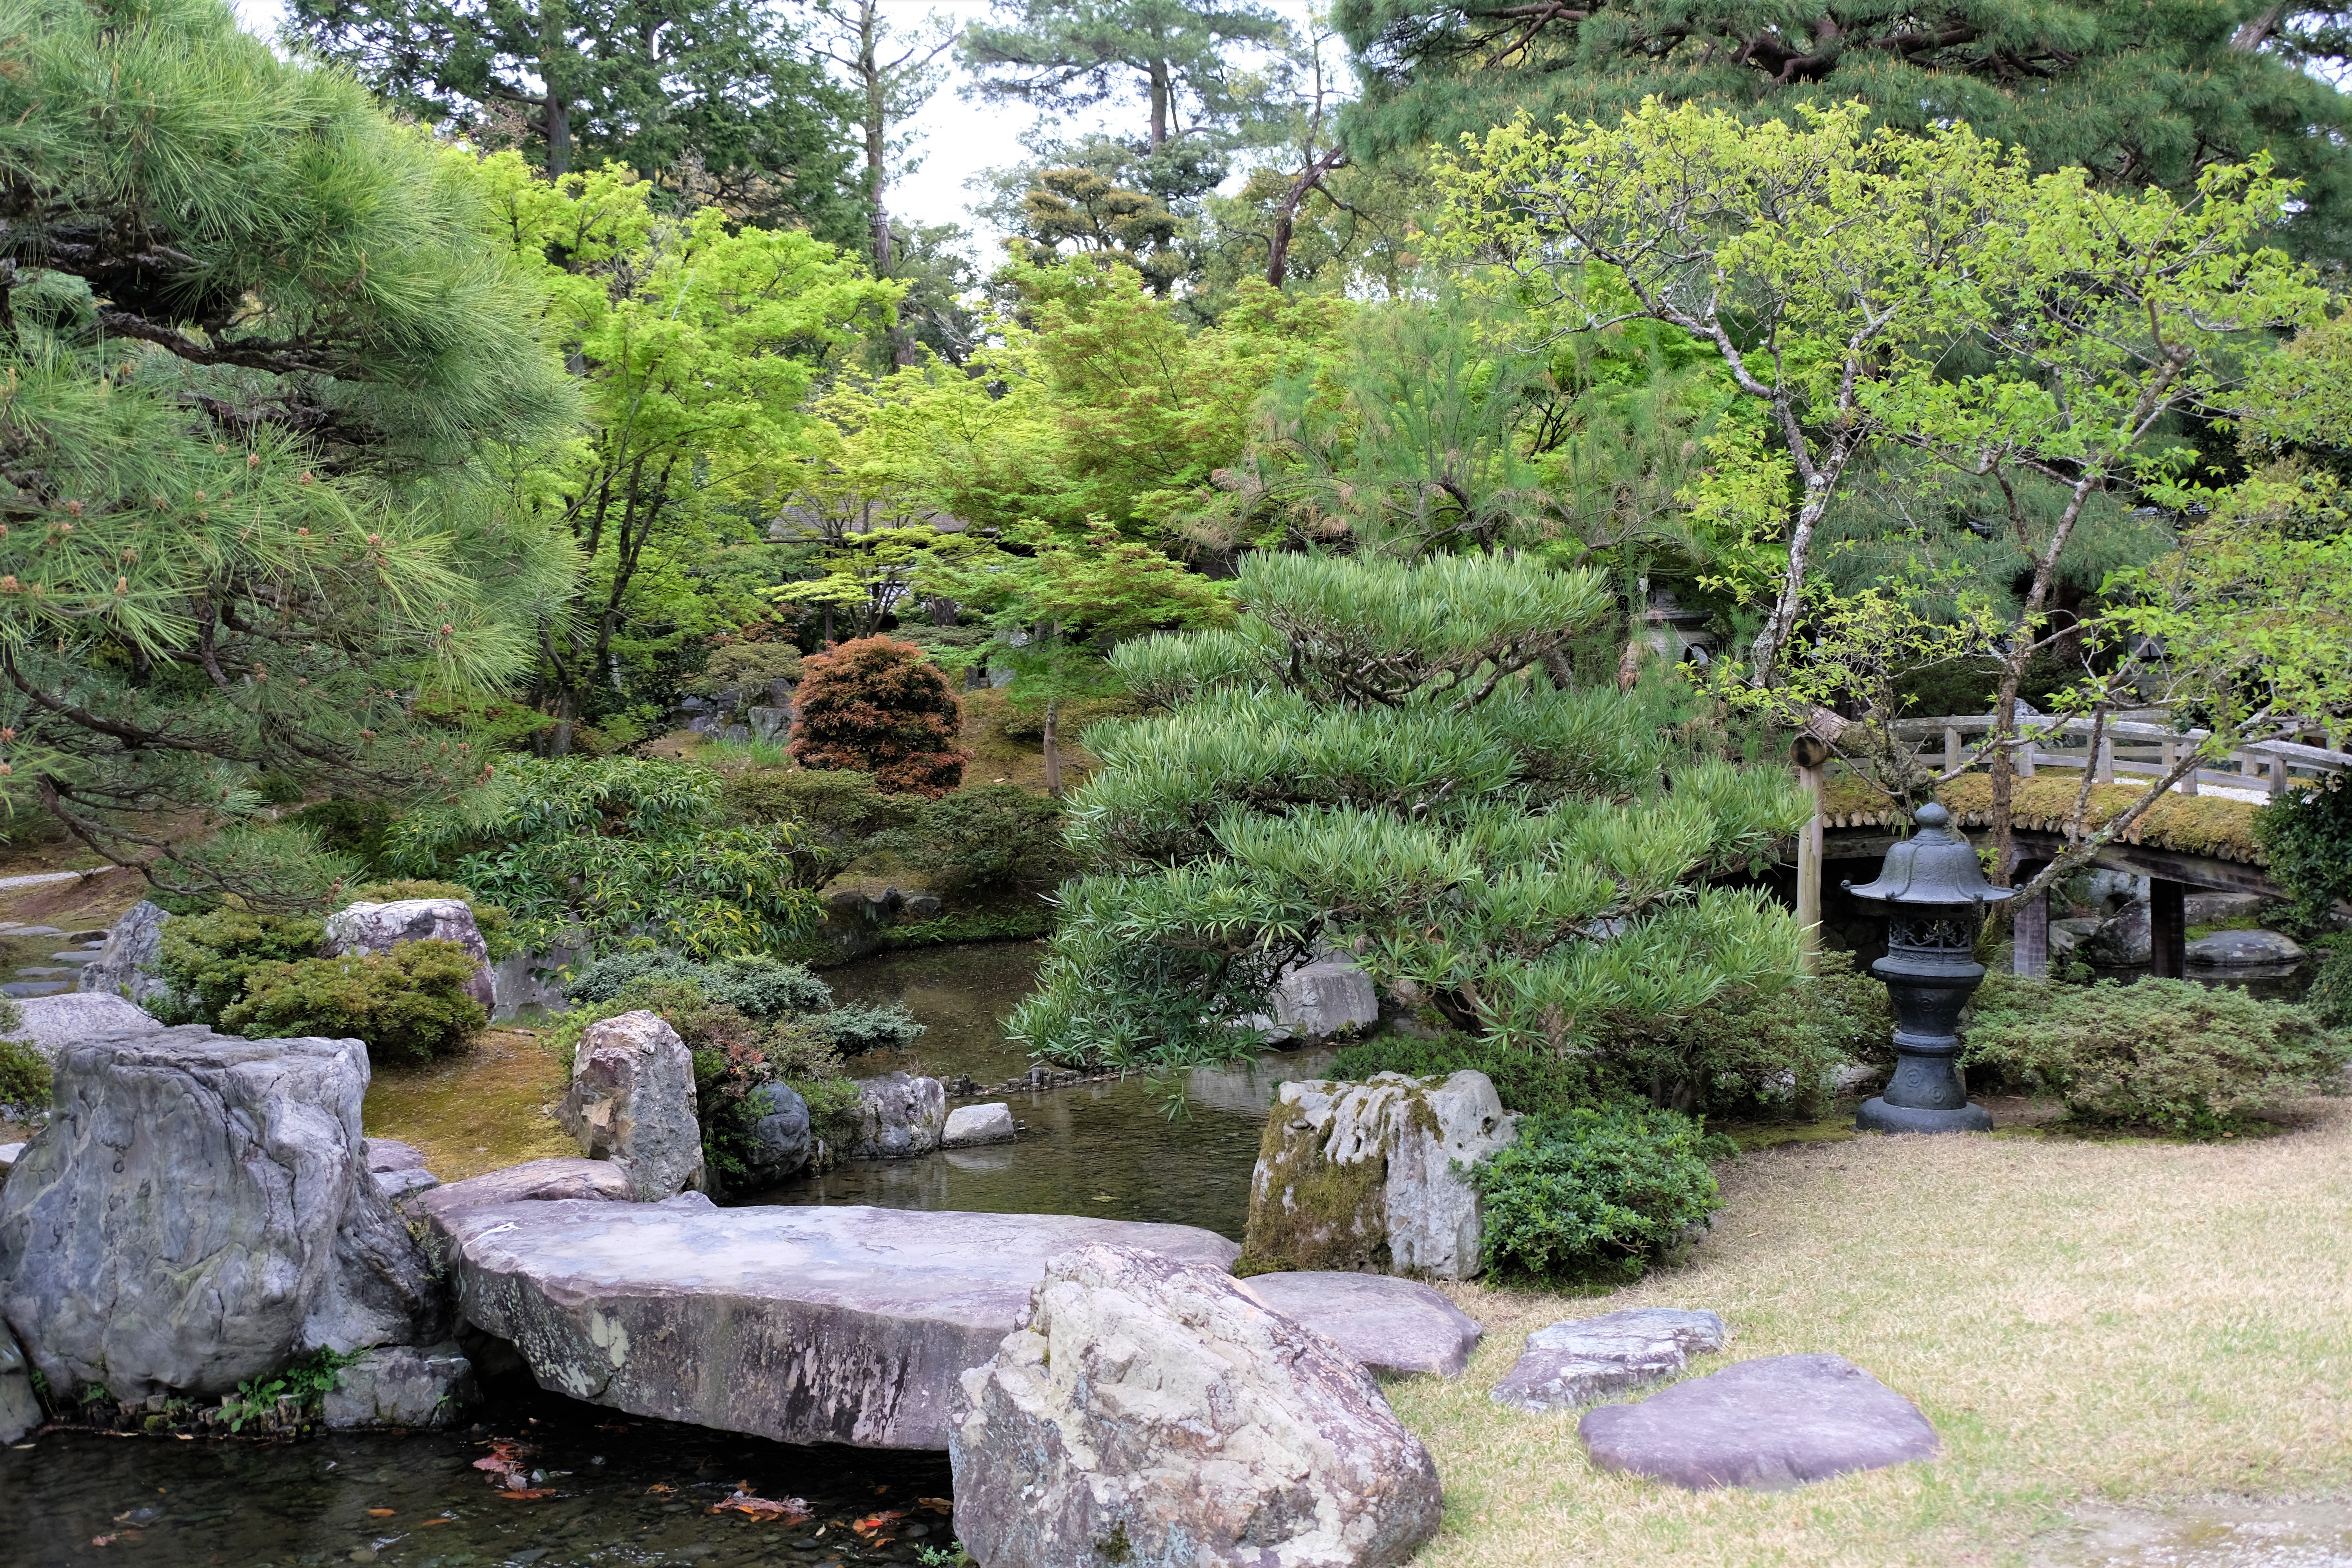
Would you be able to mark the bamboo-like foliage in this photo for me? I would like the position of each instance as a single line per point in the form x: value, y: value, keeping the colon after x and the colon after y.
x: 1374, y: 761
x: 249, y: 347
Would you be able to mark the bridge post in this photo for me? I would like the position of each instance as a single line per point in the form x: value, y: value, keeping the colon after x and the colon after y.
x: 2167, y: 930
x: 1951, y: 748
x: 1810, y: 757
x: 2029, y: 935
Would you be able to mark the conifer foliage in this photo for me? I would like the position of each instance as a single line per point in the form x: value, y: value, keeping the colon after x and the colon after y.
x: 1374, y: 760
x: 876, y: 706
x: 252, y: 349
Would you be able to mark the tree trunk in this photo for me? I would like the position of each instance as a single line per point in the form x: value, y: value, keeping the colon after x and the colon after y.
x: 870, y: 76
x: 1159, y: 104
x: 1053, y: 747
x: 1285, y: 213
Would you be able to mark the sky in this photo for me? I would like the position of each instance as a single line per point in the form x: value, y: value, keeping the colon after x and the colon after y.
x: 956, y: 138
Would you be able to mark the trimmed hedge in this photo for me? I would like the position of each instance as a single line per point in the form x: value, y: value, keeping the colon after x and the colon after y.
x: 409, y: 1004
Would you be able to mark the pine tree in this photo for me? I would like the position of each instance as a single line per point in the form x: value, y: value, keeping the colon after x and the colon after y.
x: 2138, y: 92
x: 253, y: 352
x: 1066, y: 55
x: 718, y: 102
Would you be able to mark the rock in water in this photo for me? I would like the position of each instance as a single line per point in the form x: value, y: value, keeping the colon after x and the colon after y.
x: 970, y: 1125
x: 2243, y: 948
x: 1361, y: 1176
x: 1771, y: 1425
x: 899, y: 1115
x: 782, y: 1139
x: 632, y: 1102
x: 804, y: 1324
x: 20, y: 1411
x: 401, y: 1387
x: 1574, y: 1364
x: 126, y: 967
x: 1384, y: 1324
x: 200, y: 1213
x: 1148, y: 1410
x: 52, y: 1023
x: 380, y: 928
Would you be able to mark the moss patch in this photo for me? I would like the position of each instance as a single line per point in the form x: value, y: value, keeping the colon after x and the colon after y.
x: 2184, y: 824
x: 1309, y: 1211
x: 481, y: 1110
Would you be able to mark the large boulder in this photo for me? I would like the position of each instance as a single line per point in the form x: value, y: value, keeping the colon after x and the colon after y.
x: 2122, y: 940
x: 783, y: 1140
x: 805, y: 1324
x: 970, y: 1126
x: 401, y: 1385
x: 2244, y: 949
x: 1382, y: 1322
x: 1576, y: 1362
x: 1319, y: 1000
x: 899, y: 1114
x: 200, y: 1212
x: 52, y: 1023
x: 1369, y: 1176
x: 1770, y: 1424
x: 20, y: 1409
x: 126, y: 966
x: 526, y: 979
x: 380, y: 928
x: 632, y: 1102
x: 1148, y: 1410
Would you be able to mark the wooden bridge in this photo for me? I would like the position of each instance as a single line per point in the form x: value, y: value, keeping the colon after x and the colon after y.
x: 2198, y: 837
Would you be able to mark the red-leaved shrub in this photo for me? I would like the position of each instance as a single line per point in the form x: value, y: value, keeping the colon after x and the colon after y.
x: 873, y: 706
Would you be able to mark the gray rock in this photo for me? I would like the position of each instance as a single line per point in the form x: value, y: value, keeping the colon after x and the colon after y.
x: 783, y: 1140
x: 397, y: 1184
x: 2240, y: 949
x: 9, y: 1154
x: 199, y: 1213
x: 1384, y: 1324
x: 969, y: 1125
x: 1573, y: 1363
x: 1322, y: 999
x: 921, y: 907
x: 2068, y: 935
x: 20, y: 1408
x: 632, y: 1101
x: 2204, y: 908
x: 126, y: 965
x: 898, y: 1115
x: 535, y: 1180
x: 2121, y: 940
x: 526, y: 979
x: 1148, y: 1410
x: 392, y: 1154
x: 1771, y: 1425
x: 380, y: 928
x: 401, y: 1385
x: 769, y: 724
x: 1405, y: 1206
x: 805, y: 1324
x: 52, y: 1023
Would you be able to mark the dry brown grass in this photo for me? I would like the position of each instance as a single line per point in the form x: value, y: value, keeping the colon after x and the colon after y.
x: 2081, y: 1320
x: 476, y: 1112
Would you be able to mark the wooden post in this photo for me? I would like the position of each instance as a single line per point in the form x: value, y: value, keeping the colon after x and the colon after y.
x: 2029, y: 931
x: 2023, y: 761
x: 1951, y: 748
x: 2167, y: 930
x: 2278, y: 775
x: 2106, y: 760
x: 1810, y: 755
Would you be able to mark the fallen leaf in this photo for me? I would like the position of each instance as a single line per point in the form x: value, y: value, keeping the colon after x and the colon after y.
x: 381, y: 1513
x: 661, y: 1489
x: 431, y: 1523
x: 102, y: 1539
x: 938, y: 1504
x: 875, y: 1524
x: 790, y: 1509
x: 526, y: 1494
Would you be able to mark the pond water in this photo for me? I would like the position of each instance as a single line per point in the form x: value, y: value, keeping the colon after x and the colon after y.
x: 1109, y: 1150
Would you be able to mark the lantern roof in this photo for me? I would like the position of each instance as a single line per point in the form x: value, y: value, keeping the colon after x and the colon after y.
x: 1934, y: 866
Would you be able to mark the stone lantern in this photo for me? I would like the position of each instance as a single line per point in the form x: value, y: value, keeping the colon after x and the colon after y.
x: 1935, y: 895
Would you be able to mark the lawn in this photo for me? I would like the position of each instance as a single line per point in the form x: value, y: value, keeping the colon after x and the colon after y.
x: 2082, y: 1320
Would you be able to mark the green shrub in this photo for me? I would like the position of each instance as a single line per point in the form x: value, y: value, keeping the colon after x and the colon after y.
x: 747, y: 667
x: 985, y: 836
x: 1524, y: 1080
x: 759, y: 987
x: 835, y: 816
x: 24, y: 1071
x: 1595, y: 1193
x: 353, y: 827
x: 206, y: 959
x: 2171, y: 1055
x: 2308, y: 836
x: 2330, y: 998
x: 409, y: 1004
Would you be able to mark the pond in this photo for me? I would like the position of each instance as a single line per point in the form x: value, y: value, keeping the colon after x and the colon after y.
x: 1109, y: 1150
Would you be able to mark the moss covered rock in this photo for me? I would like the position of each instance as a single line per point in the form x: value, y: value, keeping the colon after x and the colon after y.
x: 1369, y: 1176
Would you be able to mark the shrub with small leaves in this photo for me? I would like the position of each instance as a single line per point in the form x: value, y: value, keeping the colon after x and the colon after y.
x: 2171, y: 1055
x: 2308, y: 836
x: 989, y: 835
x: 206, y: 959
x: 1595, y: 1194
x: 2330, y: 997
x: 24, y: 1073
x: 879, y: 706
x: 409, y: 1004
x: 759, y: 987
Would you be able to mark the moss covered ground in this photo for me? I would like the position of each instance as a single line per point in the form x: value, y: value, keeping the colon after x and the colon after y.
x: 480, y: 1110
x: 2085, y: 1322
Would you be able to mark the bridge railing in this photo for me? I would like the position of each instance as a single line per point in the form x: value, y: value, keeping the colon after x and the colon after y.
x: 2131, y: 744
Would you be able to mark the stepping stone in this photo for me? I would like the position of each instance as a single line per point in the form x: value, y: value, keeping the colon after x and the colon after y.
x: 1576, y: 1362
x: 2239, y: 949
x: 973, y: 1124
x: 44, y: 972
x: 75, y: 957
x: 31, y: 931
x: 804, y: 1324
x: 1386, y: 1324
x: 35, y: 987
x: 1768, y: 1424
